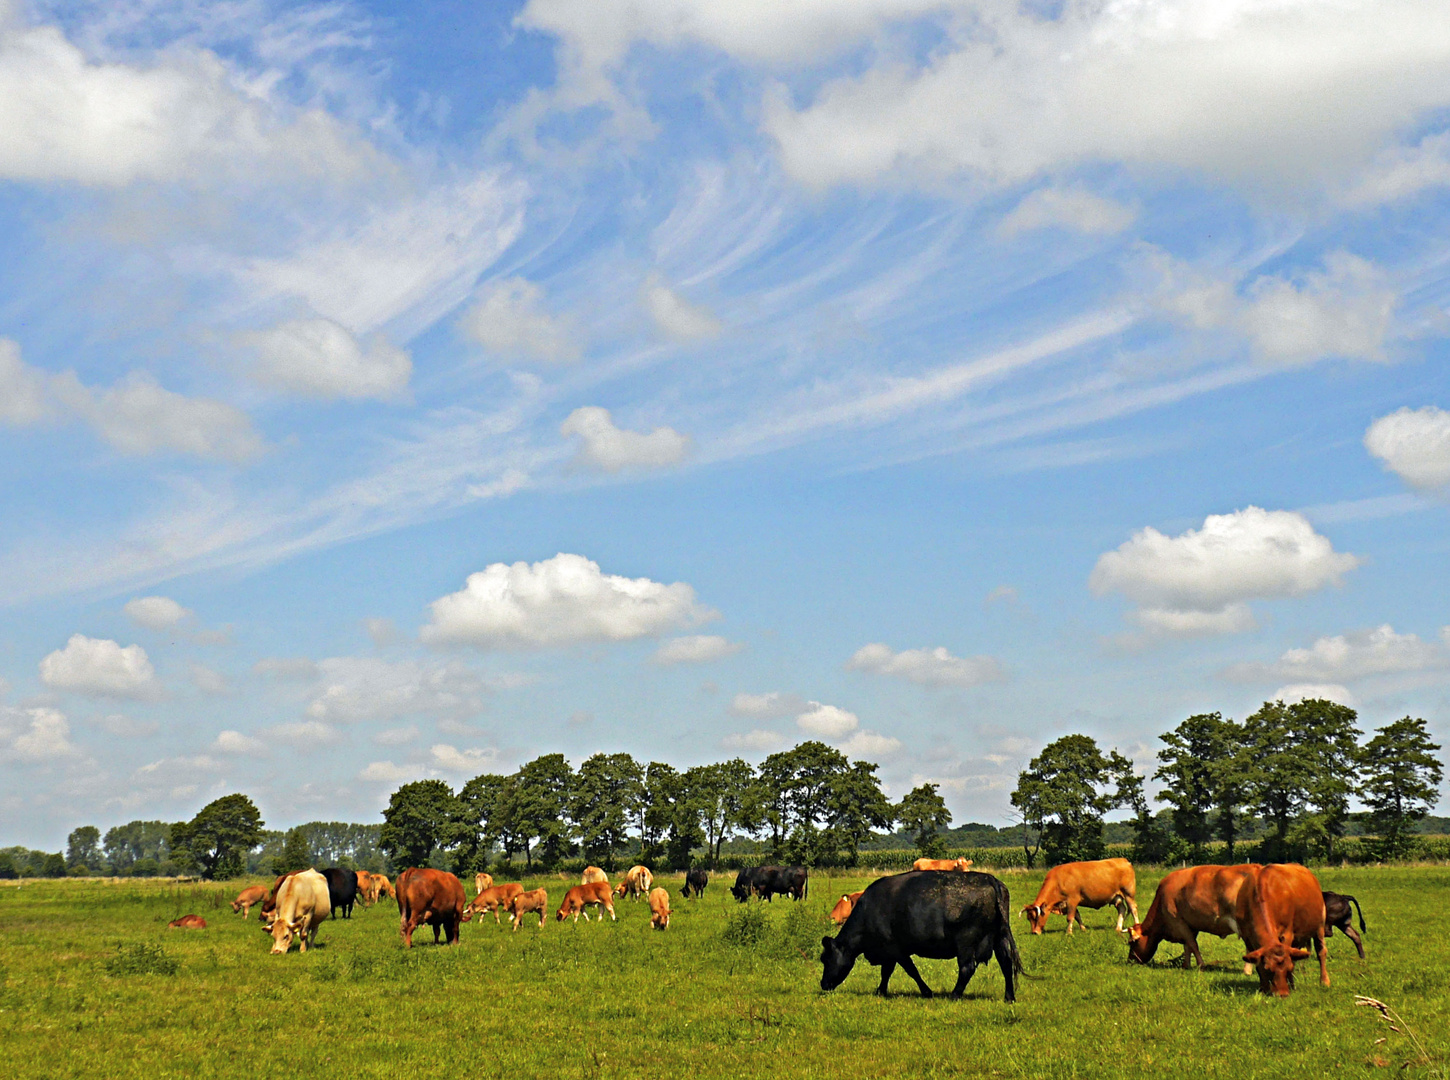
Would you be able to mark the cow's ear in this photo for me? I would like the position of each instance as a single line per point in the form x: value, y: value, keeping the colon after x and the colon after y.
x: 1254, y: 957
x: 1299, y: 954
x: 828, y: 943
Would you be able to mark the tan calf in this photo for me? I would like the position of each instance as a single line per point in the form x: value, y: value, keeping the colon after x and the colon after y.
x: 249, y: 897
x: 593, y: 875
x: 495, y: 899
x: 525, y: 902
x: 577, y: 899
x: 659, y: 909
x: 482, y: 881
x: 942, y: 864
x: 844, y: 906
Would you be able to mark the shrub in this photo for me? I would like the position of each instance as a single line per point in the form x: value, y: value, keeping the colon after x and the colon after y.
x: 147, y: 867
x: 142, y: 959
x: 803, y: 928
x: 747, y: 927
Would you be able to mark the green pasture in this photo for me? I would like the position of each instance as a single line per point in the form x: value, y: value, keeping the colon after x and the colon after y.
x: 93, y: 984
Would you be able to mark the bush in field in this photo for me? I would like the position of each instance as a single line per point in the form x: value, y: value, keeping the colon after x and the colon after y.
x: 747, y: 927
x: 142, y: 959
x: 802, y: 929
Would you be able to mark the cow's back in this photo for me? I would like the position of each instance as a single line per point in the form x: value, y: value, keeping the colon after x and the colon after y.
x: 1281, y: 898
x: 922, y: 908
x: 302, y: 899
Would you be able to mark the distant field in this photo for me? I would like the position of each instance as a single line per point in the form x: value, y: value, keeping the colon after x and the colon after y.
x: 619, y: 1000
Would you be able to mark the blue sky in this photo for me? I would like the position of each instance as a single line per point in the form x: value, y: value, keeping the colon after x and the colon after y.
x: 388, y: 394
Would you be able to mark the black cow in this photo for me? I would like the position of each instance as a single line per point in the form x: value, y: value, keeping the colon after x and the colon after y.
x: 695, y: 881
x: 1337, y: 914
x: 766, y: 881
x: 341, y: 890
x: 939, y: 914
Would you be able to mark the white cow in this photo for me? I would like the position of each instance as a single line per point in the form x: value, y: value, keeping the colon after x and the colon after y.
x: 302, y: 905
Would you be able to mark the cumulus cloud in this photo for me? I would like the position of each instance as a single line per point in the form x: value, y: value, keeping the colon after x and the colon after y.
x: 827, y: 721
x: 1289, y: 695
x: 155, y: 612
x: 209, y: 680
x: 23, y: 398
x: 471, y: 761
x: 100, y: 667
x: 1199, y: 581
x: 1344, y: 658
x: 696, y: 649
x: 353, y: 688
x: 1066, y: 208
x: 385, y: 772
x: 560, y: 601
x: 1414, y: 444
x: 674, y: 316
x: 36, y: 735
x: 772, y: 705
x: 757, y: 741
x: 606, y: 448
x: 304, y: 733
x: 870, y: 744
x: 234, y: 742
x: 929, y: 667
x: 322, y: 359
x: 511, y: 320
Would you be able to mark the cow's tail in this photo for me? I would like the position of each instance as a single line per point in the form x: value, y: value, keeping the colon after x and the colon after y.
x: 1355, y: 902
x: 1004, y: 904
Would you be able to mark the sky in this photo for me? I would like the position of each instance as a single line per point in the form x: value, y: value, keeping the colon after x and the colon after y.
x: 402, y: 391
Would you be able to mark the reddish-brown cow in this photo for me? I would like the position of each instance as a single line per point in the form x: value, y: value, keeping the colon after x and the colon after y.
x: 255, y: 894
x: 187, y: 922
x: 596, y: 893
x: 1191, y: 901
x: 494, y: 899
x: 525, y: 902
x: 1285, y: 911
x: 844, y: 906
x: 429, y: 896
x: 1084, y: 885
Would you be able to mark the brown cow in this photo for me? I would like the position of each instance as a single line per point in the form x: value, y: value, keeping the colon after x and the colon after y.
x: 363, y: 880
x: 942, y: 864
x: 255, y: 894
x: 593, y: 875
x: 1194, y: 900
x: 493, y: 899
x: 482, y: 881
x: 844, y: 906
x: 659, y: 909
x: 525, y: 902
x: 1084, y: 885
x: 1285, y: 911
x: 269, y: 903
x: 636, y: 883
x: 187, y: 922
x: 429, y: 896
x: 596, y: 893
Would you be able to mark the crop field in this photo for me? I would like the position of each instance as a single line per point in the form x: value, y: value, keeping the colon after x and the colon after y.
x: 93, y: 984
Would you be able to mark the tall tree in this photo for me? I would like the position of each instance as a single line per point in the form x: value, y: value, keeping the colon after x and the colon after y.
x: 663, y: 787
x: 722, y: 794
x: 83, y: 849
x: 126, y: 844
x: 601, y: 802
x: 296, y: 852
x: 1189, y: 754
x: 1063, y: 794
x: 1302, y: 767
x: 772, y: 797
x: 420, y: 816
x: 924, y: 813
x: 855, y: 807
x: 217, y: 840
x: 1401, y: 782
x: 538, y: 810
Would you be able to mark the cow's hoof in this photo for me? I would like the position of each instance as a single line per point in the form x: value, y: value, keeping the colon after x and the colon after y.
x: 927, y: 994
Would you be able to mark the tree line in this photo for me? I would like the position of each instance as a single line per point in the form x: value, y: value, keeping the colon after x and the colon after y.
x: 1293, y: 767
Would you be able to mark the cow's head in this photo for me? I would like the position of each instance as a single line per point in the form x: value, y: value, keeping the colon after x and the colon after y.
x: 1036, y: 917
x: 236, y: 906
x: 1275, y: 965
x: 282, y: 934
x: 1140, y: 947
x: 836, y: 963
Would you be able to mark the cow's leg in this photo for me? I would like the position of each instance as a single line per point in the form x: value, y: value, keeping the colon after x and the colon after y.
x: 1009, y: 970
x: 1071, y: 917
x: 1353, y: 935
x: 1190, y: 951
x: 966, y: 968
x: 612, y: 917
x: 909, y: 966
x: 887, y: 968
x: 1322, y: 948
x: 1133, y: 907
x: 1118, y: 905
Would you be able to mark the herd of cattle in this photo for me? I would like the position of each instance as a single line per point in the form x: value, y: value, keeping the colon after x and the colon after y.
x: 940, y: 909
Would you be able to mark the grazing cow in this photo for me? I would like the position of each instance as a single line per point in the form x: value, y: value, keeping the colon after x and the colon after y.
x: 636, y: 883
x: 580, y: 897
x: 494, y: 899
x: 341, y: 889
x: 254, y: 894
x: 932, y: 913
x: 301, y: 906
x: 525, y: 902
x: 379, y: 886
x: 1337, y: 916
x: 659, y: 909
x: 842, y: 911
x: 429, y: 896
x: 766, y: 881
x: 942, y: 864
x: 593, y: 875
x: 187, y: 922
x: 1285, y: 911
x: 269, y: 904
x: 696, y: 878
x: 364, y: 886
x: 482, y: 881
x: 1084, y: 885
x: 1191, y: 901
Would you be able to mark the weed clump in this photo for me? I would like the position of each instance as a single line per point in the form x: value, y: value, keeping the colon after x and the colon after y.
x: 142, y: 959
x: 796, y: 936
x: 747, y: 928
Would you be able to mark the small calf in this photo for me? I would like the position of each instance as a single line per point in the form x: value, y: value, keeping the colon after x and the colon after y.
x: 597, y: 894
x: 525, y: 902
x: 842, y: 911
x: 1338, y: 916
x: 659, y: 909
x: 187, y: 922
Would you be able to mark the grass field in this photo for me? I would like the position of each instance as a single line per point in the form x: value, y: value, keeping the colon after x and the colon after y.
x: 718, y: 994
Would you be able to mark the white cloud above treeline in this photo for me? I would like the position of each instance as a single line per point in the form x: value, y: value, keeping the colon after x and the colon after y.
x: 1414, y: 444
x: 356, y: 688
x: 565, y: 600
x: 99, y: 667
x: 813, y: 719
x: 510, y: 320
x: 929, y: 667
x: 1199, y: 582
x: 322, y: 359
x: 36, y: 735
x: 603, y: 447
x: 1345, y: 658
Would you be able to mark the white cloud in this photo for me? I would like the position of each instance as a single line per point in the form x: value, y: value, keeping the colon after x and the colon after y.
x: 64, y: 118
x: 773, y: 705
x: 870, y: 744
x: 304, y: 733
x: 1289, y: 695
x: 36, y: 735
x: 1198, y: 581
x: 23, y: 397
x: 138, y: 417
x: 100, y: 667
x: 286, y: 668
x: 125, y: 726
x: 234, y: 742
x: 929, y: 667
x: 559, y: 601
x: 1414, y: 444
x: 399, y: 736
x: 757, y: 741
x: 1067, y: 208
x: 607, y: 448
x: 1403, y: 171
x: 674, y: 316
x: 322, y: 359
x: 155, y: 612
x: 385, y: 772
x: 696, y: 649
x: 511, y: 321
x: 1347, y: 657
x: 471, y: 761
x: 353, y: 688
x: 827, y: 721
x: 209, y: 680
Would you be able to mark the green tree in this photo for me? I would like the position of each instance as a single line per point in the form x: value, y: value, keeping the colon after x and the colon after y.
x: 1303, y: 760
x: 296, y: 854
x: 479, y: 801
x: 125, y: 844
x: 1401, y: 782
x: 601, y: 804
x: 217, y: 840
x: 537, y: 808
x: 722, y: 794
x: 8, y: 867
x: 1188, y: 757
x: 420, y: 816
x: 924, y: 813
x: 1152, y: 843
x: 663, y: 787
x: 83, y: 848
x: 772, y: 798
x: 53, y: 866
x: 1064, y: 793
x: 855, y: 807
